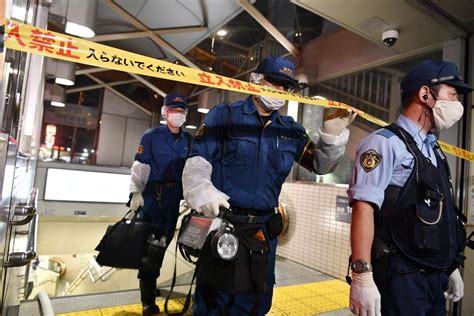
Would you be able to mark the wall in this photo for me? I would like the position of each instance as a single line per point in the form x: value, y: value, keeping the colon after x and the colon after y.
x: 120, y: 131
x: 314, y: 238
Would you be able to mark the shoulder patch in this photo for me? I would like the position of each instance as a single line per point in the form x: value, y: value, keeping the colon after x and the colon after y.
x: 370, y: 160
x: 385, y: 133
x: 201, y: 131
x: 140, y: 149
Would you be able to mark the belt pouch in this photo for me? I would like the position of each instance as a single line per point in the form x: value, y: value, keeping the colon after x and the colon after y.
x: 274, y: 226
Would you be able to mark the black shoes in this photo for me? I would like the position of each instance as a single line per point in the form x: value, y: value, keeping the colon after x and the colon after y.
x: 149, y: 310
x: 147, y: 295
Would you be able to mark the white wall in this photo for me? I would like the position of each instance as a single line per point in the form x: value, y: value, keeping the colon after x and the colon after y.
x: 314, y: 238
x: 122, y: 126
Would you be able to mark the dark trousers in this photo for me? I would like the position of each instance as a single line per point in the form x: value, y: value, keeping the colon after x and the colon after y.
x: 410, y: 290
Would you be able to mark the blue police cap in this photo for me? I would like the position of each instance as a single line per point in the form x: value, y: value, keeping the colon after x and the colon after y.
x: 431, y: 73
x: 279, y: 70
x: 176, y: 100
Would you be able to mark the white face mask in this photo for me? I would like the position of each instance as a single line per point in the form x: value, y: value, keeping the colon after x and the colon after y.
x: 446, y: 113
x: 271, y: 103
x: 176, y: 119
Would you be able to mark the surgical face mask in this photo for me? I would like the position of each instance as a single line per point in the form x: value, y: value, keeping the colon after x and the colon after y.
x: 176, y: 119
x: 446, y: 113
x: 271, y: 103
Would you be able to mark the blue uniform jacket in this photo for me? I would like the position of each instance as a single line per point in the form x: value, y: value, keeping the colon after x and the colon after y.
x: 250, y: 161
x: 166, y: 155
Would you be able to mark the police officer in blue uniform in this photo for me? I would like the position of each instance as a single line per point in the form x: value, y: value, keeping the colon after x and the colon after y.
x: 407, y: 235
x: 240, y: 158
x: 156, y: 184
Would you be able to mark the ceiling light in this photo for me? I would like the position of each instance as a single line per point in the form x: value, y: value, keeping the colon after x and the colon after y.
x: 191, y: 126
x: 203, y: 110
x: 64, y: 82
x: 55, y: 93
x: 63, y: 71
x: 221, y: 32
x: 81, y: 17
x: 58, y: 104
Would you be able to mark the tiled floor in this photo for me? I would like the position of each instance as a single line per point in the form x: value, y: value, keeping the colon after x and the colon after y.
x: 299, y: 291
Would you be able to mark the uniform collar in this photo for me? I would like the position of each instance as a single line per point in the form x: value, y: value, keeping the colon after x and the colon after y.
x: 418, y: 135
x: 250, y: 108
x: 168, y: 132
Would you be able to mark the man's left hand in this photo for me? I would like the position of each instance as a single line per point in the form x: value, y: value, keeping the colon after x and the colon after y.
x: 336, y: 120
x: 455, y: 289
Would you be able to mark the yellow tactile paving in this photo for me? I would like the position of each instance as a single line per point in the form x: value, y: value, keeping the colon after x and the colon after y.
x: 302, y: 299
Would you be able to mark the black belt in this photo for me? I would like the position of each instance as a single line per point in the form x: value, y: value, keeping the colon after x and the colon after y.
x: 165, y: 183
x: 251, y: 211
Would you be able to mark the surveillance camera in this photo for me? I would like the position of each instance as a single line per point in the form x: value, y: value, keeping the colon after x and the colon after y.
x: 389, y: 37
x: 302, y: 80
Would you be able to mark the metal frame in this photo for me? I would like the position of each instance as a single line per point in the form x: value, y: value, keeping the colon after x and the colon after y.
x: 119, y: 94
x: 150, y: 34
x: 262, y: 20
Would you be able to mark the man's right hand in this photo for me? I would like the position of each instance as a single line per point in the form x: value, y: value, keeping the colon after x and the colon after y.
x: 211, y: 209
x: 137, y: 201
x: 364, y: 297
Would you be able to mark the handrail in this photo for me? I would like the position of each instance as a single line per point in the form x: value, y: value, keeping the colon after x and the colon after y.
x: 45, y: 304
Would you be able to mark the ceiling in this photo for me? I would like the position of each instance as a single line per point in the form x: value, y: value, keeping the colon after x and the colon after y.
x: 189, y: 26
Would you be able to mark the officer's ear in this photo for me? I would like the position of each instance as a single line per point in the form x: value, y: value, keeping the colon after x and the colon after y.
x: 424, y: 94
x: 164, y: 111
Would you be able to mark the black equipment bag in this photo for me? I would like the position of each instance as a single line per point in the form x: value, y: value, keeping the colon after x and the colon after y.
x: 125, y: 244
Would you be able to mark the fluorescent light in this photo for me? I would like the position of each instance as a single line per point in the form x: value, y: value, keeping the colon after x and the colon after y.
x: 203, y: 110
x: 58, y: 104
x: 191, y: 126
x: 64, y: 81
x: 222, y: 32
x: 79, y: 30
x: 293, y: 110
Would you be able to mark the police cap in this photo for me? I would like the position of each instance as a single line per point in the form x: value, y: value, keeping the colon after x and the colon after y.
x: 176, y: 100
x: 279, y: 71
x: 431, y: 73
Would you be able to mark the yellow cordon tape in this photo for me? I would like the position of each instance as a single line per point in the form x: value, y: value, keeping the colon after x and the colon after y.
x: 31, y: 39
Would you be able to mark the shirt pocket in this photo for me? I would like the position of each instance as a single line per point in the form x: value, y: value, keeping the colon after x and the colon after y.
x: 282, y: 155
x: 239, y: 151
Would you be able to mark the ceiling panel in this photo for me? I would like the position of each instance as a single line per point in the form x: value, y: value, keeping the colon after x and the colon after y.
x: 417, y: 28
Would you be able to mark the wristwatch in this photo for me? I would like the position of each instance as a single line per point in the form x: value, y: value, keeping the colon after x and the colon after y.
x: 360, y: 266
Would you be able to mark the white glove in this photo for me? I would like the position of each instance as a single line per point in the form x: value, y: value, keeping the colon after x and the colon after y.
x: 198, y: 189
x: 139, y: 176
x: 211, y: 209
x: 137, y: 201
x: 455, y: 289
x: 336, y: 120
x: 364, y: 297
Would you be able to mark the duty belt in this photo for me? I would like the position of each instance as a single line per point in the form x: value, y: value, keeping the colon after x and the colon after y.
x: 246, y: 215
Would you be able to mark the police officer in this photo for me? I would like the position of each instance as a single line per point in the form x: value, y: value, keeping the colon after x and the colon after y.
x: 240, y: 158
x: 156, y: 184
x: 405, y: 227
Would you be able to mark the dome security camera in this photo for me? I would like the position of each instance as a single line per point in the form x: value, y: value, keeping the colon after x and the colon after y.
x: 302, y: 80
x: 389, y: 37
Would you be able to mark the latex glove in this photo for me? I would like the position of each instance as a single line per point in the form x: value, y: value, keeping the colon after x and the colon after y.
x: 336, y: 120
x: 364, y: 297
x: 137, y: 201
x: 211, y: 209
x: 455, y: 289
